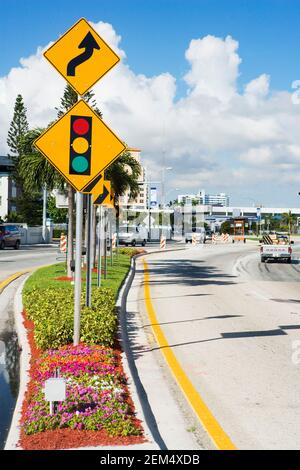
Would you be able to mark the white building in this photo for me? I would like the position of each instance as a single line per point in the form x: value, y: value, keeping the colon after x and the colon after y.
x: 141, y: 201
x: 7, y: 187
x: 220, y: 199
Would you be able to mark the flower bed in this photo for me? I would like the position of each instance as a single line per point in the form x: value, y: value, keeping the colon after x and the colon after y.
x: 98, y: 409
x: 95, y: 398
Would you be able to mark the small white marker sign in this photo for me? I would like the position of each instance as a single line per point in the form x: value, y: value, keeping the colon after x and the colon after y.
x: 55, y: 389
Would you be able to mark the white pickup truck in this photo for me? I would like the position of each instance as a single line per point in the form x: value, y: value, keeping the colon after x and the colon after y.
x: 281, y: 250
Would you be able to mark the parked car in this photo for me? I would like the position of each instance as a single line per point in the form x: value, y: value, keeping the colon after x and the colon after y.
x: 10, y: 235
x: 132, y: 236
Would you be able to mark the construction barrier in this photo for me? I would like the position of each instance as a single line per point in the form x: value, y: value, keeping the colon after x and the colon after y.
x: 225, y: 237
x: 63, y: 243
x: 194, y: 239
x: 162, y: 242
x: 114, y: 241
x: 214, y: 238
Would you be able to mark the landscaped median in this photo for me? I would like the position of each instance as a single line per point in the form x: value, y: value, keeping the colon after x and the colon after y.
x: 98, y: 409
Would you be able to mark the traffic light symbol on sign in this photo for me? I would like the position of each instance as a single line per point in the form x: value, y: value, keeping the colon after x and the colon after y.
x: 80, y: 145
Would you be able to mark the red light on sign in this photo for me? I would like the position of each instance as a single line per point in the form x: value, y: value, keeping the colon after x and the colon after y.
x: 81, y: 126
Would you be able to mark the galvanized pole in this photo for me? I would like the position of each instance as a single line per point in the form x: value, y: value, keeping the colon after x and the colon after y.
x: 77, y: 285
x: 99, y: 248
x: 105, y: 245
x: 88, y: 296
x: 44, y: 237
x: 110, y: 240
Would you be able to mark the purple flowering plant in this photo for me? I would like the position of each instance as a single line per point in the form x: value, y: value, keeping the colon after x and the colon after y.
x: 96, y: 396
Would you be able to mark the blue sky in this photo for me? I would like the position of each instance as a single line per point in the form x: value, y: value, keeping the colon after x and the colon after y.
x: 224, y: 115
x: 156, y: 33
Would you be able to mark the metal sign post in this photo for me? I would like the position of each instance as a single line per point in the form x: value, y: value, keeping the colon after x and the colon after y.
x: 99, y: 248
x: 110, y: 240
x: 88, y: 296
x: 77, y: 285
x: 105, y: 244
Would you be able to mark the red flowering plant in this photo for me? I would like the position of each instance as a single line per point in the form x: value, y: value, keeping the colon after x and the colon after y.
x: 96, y: 395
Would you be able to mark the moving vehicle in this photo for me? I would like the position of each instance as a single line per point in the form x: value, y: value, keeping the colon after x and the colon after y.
x: 200, y: 235
x: 132, y: 236
x: 10, y: 235
x: 276, y: 248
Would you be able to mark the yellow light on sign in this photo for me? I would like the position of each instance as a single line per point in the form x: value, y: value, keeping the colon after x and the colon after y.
x: 81, y: 56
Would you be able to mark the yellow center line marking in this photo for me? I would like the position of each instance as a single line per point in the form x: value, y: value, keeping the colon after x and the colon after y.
x: 10, y: 279
x: 221, y: 440
x: 15, y: 276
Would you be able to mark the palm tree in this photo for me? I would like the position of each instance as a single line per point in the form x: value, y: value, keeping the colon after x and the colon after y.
x: 290, y: 220
x: 33, y: 168
x: 123, y: 175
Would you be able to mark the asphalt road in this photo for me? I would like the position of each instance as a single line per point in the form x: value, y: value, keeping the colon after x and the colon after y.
x: 12, y: 261
x: 234, y: 324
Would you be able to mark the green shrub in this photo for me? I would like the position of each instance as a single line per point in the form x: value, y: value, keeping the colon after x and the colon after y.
x: 57, y: 232
x: 131, y: 251
x: 52, y: 312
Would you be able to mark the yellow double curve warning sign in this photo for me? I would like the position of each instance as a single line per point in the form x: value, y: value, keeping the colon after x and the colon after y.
x: 81, y: 56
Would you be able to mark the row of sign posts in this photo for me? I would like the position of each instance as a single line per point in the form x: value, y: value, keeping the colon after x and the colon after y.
x: 80, y: 145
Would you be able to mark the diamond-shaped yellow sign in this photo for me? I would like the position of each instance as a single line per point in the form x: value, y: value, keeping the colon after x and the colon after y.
x: 80, y: 145
x: 81, y: 56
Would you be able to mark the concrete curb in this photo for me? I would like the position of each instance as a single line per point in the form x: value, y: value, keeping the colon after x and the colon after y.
x: 14, y: 431
x: 138, y: 394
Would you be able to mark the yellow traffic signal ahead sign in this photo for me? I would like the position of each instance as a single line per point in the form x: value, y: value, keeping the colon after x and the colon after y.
x: 80, y: 145
x: 81, y: 56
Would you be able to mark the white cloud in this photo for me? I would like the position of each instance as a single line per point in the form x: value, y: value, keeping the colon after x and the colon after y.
x: 211, y: 136
x: 214, y: 67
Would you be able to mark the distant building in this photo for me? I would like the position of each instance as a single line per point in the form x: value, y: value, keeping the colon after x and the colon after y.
x: 220, y: 199
x: 8, y: 189
x: 141, y: 201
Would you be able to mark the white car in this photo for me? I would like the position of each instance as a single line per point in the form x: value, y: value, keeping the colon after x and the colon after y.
x: 200, y: 235
x: 133, y: 236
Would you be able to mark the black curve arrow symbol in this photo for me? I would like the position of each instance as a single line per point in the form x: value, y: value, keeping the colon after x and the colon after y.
x: 101, y: 198
x: 89, y: 44
x: 88, y: 188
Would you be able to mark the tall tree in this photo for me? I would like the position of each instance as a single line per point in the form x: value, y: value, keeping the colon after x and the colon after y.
x: 18, y: 127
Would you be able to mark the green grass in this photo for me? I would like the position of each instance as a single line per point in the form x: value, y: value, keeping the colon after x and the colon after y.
x: 44, y: 278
